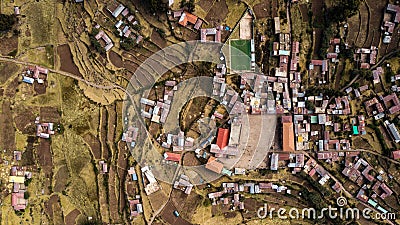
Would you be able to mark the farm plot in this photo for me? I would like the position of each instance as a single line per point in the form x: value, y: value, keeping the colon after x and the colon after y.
x: 218, y: 13
x: 66, y: 60
x: 353, y: 29
x: 44, y: 156
x: 364, y: 28
x: 168, y: 215
x: 7, y: 137
x: 7, y: 70
x: 375, y: 21
x: 40, y: 16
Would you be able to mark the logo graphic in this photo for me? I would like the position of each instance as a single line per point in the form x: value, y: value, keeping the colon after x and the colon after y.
x: 341, y: 201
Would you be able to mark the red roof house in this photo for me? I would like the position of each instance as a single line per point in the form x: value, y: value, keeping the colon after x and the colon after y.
x: 396, y: 154
x: 169, y: 156
x: 223, y: 137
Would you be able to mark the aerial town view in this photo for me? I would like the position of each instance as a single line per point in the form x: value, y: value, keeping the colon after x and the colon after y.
x: 206, y: 112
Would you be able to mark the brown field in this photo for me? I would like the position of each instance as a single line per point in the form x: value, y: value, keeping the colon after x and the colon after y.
x: 217, y: 13
x: 71, y: 217
x: 354, y: 25
x: 44, y: 156
x: 112, y: 120
x: 67, y: 63
x: 185, y: 204
x: 12, y: 44
x: 317, y: 42
x: 190, y: 159
x: 158, y: 40
x: 27, y: 156
x: 168, y: 215
x: 40, y: 89
x: 304, y: 12
x: 252, y: 206
x: 103, y: 134
x: 317, y: 8
x: 376, y: 11
x: 7, y: 70
x: 363, y: 35
x: 94, y: 143
x: 205, y: 5
x: 25, y: 121
x: 12, y: 87
x: 61, y: 179
x: 49, y: 114
x: 262, y: 10
x: 113, y: 199
x: 7, y: 136
x: 130, y: 187
x: 116, y: 59
x: 48, y: 205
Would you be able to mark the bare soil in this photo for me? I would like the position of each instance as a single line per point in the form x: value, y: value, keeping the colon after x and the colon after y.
x: 66, y: 60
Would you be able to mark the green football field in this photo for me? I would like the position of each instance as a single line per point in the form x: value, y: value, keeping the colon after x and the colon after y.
x: 240, y: 52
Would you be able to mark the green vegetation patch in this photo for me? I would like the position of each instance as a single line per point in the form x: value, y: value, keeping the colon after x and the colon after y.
x: 240, y: 54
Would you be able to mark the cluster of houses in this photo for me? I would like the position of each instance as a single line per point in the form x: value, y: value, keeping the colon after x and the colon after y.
x: 35, y: 73
x: 130, y: 135
x: 135, y: 206
x: 157, y: 111
x: 366, y: 57
x: 17, y: 177
x: 361, y: 173
x: 125, y: 21
x: 391, y: 17
x: 44, y: 130
x: 231, y: 193
x: 183, y: 184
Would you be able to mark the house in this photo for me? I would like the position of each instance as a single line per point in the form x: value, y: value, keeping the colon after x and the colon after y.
x: 222, y: 137
x: 130, y: 135
x: 186, y: 18
x: 277, y: 25
x: 133, y: 174
x: 274, y: 161
x: 44, y: 130
x: 106, y: 39
x: 392, y: 103
x: 393, y: 131
x: 183, y: 184
x: 116, y: 11
x: 103, y: 167
x: 215, y: 32
x: 396, y: 10
x: 152, y: 185
x: 377, y: 75
x: 214, y: 165
x: 16, y: 10
x: 396, y: 154
x: 288, y: 134
x: 169, y: 156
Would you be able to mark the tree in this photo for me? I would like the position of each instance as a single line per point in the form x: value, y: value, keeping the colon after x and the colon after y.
x: 189, y: 5
x: 128, y: 44
x: 310, y: 105
x: 7, y: 22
